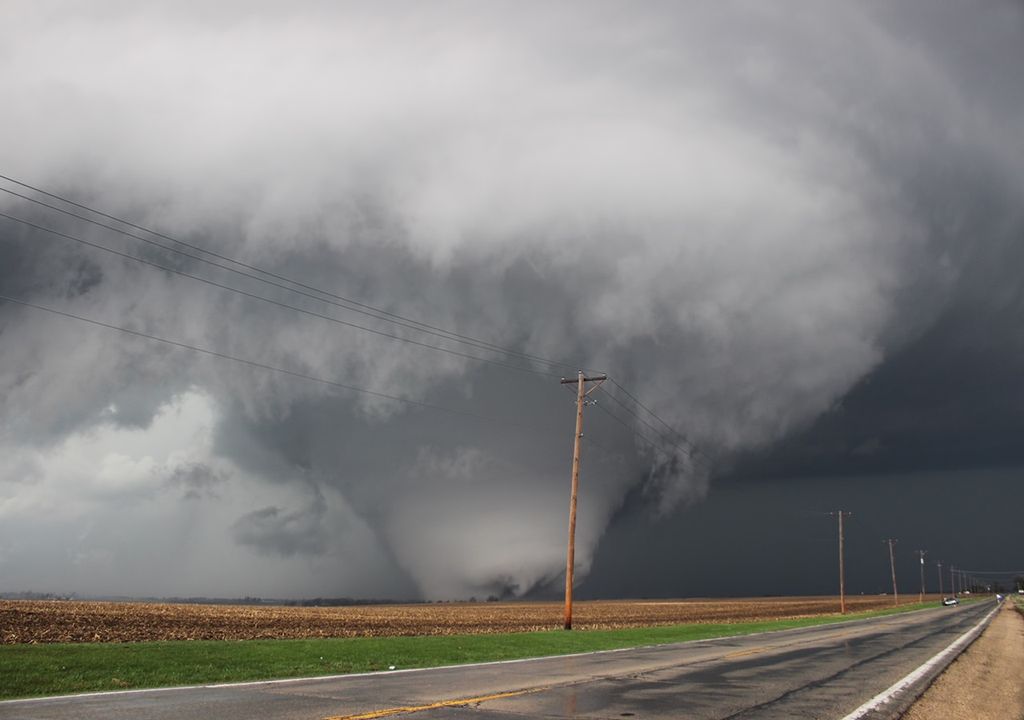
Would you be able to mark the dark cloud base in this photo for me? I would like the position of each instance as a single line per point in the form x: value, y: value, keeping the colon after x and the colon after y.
x: 758, y: 537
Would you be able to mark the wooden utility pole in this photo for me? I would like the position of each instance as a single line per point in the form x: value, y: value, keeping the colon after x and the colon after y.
x: 922, y: 553
x: 580, y: 381
x: 952, y: 580
x: 892, y: 567
x: 940, y: 579
x: 842, y: 571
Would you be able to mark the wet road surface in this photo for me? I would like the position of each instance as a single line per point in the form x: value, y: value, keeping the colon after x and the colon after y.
x: 821, y: 672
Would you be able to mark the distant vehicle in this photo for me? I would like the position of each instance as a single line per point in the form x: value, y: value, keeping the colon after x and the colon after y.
x: 999, y: 598
x: 950, y: 601
x: 1021, y: 591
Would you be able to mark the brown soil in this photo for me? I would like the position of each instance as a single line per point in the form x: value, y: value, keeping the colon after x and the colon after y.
x: 73, y: 621
x: 985, y: 681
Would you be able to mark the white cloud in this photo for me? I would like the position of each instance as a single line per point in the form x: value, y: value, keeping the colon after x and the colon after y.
x: 106, y: 513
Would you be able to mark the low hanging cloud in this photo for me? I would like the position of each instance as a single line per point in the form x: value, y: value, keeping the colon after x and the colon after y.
x: 736, y: 212
x: 196, y: 479
x: 285, y: 532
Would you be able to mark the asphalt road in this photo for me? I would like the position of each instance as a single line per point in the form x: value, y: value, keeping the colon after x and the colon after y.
x: 821, y: 672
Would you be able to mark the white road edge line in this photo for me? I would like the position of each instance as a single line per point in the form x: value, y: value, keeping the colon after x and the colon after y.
x: 889, y: 694
x: 378, y: 673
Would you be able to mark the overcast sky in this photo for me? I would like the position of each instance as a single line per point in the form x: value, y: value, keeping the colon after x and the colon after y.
x: 794, y: 234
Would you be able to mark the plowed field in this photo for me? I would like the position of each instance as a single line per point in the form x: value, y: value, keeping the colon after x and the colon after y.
x: 24, y: 621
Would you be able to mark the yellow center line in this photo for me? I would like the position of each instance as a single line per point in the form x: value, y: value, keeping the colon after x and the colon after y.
x: 777, y: 646
x: 433, y: 706
x: 406, y: 709
x: 744, y: 653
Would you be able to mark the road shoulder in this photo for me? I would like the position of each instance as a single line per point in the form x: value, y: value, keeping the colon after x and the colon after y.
x: 985, y: 681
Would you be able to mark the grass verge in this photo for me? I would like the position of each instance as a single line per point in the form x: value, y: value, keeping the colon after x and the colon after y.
x: 55, y: 669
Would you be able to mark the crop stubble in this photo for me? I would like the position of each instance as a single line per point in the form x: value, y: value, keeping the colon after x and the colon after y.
x: 24, y: 621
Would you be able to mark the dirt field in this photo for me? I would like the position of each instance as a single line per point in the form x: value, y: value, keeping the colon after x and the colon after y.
x: 985, y: 682
x: 24, y: 621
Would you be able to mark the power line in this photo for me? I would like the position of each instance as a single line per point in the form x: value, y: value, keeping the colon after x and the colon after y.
x: 301, y: 288
x: 626, y: 425
x: 686, y: 451
x: 631, y: 428
x: 271, y: 301
x: 303, y: 376
x: 245, y: 293
x: 262, y: 366
x: 337, y: 300
x: 339, y: 321
x: 632, y: 397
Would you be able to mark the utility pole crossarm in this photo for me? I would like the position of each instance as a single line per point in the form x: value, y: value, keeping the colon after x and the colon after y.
x: 586, y: 378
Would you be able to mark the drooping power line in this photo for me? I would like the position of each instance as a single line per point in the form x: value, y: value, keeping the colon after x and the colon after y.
x: 260, y: 365
x: 300, y: 287
x: 262, y: 298
x: 668, y: 439
x: 331, y: 298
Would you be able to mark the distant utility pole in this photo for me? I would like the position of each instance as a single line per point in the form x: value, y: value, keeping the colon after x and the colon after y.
x: 940, y: 578
x: 922, y: 553
x: 580, y: 381
x: 892, y: 567
x: 842, y: 572
x: 952, y: 579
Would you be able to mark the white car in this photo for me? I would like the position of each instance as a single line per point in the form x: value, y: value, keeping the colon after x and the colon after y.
x: 950, y: 601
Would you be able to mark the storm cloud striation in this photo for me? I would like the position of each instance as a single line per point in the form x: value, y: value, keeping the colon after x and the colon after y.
x: 736, y: 212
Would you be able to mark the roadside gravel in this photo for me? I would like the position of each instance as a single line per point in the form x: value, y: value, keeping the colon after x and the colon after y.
x: 985, y: 681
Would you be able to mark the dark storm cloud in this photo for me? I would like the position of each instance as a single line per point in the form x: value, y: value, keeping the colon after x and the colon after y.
x: 196, y: 480
x: 273, y: 530
x: 951, y: 399
x: 740, y: 213
x: 756, y: 538
x: 948, y: 398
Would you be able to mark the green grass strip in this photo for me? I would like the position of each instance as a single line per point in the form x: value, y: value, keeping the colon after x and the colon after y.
x: 62, y: 668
